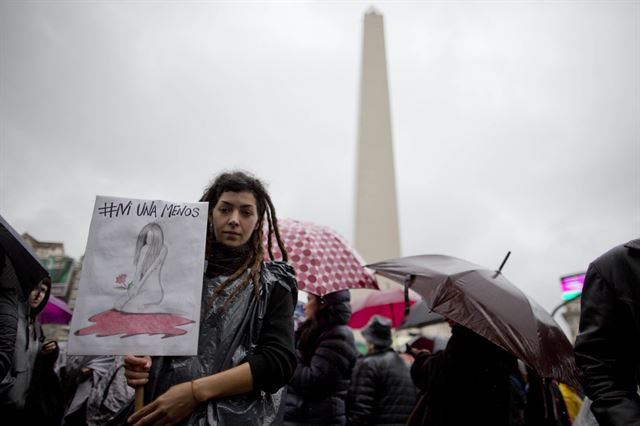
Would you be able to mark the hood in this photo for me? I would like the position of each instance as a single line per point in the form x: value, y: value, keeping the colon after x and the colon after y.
x: 338, y: 306
x: 35, y: 311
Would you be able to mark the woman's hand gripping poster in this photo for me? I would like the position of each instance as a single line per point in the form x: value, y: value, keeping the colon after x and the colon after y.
x: 141, y: 281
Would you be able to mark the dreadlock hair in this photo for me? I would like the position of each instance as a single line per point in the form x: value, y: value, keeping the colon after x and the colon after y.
x: 239, y: 181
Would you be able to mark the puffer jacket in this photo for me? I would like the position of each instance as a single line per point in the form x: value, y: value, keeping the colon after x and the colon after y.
x: 382, y: 392
x: 316, y: 395
x: 607, y: 348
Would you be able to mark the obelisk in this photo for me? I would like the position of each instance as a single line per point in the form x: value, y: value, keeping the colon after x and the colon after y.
x: 377, y: 235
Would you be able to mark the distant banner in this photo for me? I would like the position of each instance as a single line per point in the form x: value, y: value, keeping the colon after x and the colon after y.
x: 141, y: 281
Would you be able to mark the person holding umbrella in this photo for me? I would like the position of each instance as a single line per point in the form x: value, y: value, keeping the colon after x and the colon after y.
x: 382, y: 392
x: 326, y: 351
x: 245, y: 351
x: 467, y: 383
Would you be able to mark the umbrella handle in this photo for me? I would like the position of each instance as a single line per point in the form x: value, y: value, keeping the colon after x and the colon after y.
x: 408, y: 282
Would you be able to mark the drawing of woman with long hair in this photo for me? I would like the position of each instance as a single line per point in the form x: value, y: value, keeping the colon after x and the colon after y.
x: 146, y: 292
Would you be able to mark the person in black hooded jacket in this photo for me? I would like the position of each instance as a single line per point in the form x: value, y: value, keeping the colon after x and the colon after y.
x: 317, y: 392
x: 382, y: 392
x: 45, y: 401
x: 31, y: 359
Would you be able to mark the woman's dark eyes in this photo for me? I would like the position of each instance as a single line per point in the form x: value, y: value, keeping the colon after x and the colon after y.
x: 228, y: 210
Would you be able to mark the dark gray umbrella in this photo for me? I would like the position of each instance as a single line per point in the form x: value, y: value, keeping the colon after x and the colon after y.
x: 485, y: 302
x: 20, y: 272
x: 28, y: 269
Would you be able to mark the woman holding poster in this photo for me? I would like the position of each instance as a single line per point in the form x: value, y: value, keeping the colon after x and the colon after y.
x: 245, y: 349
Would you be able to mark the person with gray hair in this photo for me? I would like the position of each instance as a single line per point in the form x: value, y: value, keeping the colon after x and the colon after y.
x: 382, y: 392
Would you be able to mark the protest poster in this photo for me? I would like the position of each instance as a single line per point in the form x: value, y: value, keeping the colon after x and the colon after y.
x: 141, y: 281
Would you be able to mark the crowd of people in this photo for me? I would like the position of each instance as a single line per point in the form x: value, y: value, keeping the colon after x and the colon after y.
x: 255, y: 366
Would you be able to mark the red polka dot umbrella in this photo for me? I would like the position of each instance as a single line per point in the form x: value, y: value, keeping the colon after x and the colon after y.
x: 323, y: 260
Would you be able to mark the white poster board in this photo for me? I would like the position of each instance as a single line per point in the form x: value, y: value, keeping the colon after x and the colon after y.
x: 141, y: 281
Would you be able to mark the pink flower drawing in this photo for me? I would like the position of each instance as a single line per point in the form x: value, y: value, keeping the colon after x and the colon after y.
x: 121, y: 282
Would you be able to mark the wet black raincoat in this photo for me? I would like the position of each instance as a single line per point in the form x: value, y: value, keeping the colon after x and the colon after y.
x: 257, y: 330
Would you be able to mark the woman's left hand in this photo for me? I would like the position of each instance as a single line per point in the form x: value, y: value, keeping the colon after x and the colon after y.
x: 168, y: 409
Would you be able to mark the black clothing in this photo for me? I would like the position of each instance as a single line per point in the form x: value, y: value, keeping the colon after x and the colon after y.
x: 467, y: 383
x: 545, y: 405
x: 257, y: 329
x: 10, y: 296
x: 608, y: 346
x: 382, y: 392
x: 317, y: 392
x: 45, y: 401
x: 225, y: 260
x: 17, y: 383
x: 273, y: 361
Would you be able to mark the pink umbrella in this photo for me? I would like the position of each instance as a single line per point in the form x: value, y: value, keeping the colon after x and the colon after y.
x: 56, y: 312
x: 323, y: 260
x: 388, y: 303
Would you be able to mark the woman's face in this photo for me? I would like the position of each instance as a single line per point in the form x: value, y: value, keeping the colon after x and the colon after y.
x: 234, y: 218
x: 312, y: 306
x: 37, y: 295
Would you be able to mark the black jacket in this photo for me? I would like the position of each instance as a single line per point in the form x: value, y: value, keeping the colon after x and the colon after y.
x: 608, y: 346
x: 382, y: 392
x: 10, y: 296
x: 16, y: 384
x: 466, y: 384
x: 317, y: 393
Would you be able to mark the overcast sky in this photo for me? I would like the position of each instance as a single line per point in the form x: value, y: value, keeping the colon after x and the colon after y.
x: 516, y: 124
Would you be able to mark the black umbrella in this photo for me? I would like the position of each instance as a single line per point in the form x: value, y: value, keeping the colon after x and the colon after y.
x: 28, y: 269
x: 485, y: 302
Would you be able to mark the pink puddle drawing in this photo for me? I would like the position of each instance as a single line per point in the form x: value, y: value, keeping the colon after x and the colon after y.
x: 113, y: 322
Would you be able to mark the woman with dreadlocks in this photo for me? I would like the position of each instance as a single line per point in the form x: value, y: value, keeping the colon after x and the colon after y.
x: 246, y: 348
